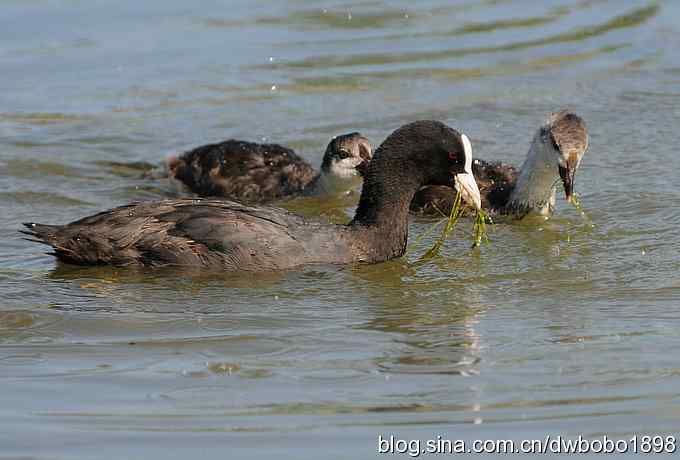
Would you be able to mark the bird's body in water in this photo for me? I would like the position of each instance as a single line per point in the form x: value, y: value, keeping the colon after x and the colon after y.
x: 260, y: 173
x: 228, y: 236
x: 555, y: 154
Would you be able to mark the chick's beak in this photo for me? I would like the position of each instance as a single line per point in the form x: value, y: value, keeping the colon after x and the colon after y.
x: 465, y: 182
x: 362, y: 168
x: 567, y: 174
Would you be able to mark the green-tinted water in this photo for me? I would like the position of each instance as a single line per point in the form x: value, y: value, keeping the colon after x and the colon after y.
x: 557, y: 327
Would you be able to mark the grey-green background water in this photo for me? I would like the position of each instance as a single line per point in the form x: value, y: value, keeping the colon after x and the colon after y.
x: 557, y: 327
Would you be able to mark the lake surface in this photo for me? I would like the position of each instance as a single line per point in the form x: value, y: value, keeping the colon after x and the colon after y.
x: 557, y: 327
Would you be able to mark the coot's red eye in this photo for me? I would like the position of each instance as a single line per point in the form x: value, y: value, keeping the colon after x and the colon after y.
x: 453, y: 156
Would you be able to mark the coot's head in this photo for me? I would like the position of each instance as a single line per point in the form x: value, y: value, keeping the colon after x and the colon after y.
x: 564, y: 139
x: 429, y: 153
x: 347, y: 155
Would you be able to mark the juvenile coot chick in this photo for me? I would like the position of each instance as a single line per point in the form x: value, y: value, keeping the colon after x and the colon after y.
x: 233, y: 237
x: 260, y: 173
x: 555, y: 154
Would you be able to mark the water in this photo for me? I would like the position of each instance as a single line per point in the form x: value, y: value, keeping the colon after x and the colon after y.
x: 557, y: 327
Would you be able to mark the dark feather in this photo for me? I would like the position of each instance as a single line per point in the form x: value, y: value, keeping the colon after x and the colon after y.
x: 244, y: 171
x: 495, y: 181
x: 192, y: 232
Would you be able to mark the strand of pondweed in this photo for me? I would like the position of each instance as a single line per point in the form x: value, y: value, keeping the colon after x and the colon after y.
x: 427, y: 232
x: 479, y: 228
x: 456, y: 212
x: 576, y: 202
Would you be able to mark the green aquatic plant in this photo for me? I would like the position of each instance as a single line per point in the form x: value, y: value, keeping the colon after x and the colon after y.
x: 479, y: 228
x: 575, y: 201
x: 455, y: 214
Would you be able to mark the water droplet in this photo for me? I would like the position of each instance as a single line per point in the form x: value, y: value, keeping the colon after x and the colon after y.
x: 349, y: 16
x: 273, y: 87
x: 271, y: 58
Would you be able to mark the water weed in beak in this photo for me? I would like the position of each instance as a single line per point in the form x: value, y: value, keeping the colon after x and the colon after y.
x: 479, y: 228
x: 467, y: 188
x: 468, y: 192
x: 456, y: 212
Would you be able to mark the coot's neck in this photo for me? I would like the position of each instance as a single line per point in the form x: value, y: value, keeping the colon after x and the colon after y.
x: 534, y: 191
x: 380, y: 226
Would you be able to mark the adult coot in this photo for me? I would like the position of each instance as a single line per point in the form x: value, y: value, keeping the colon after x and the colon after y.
x: 234, y: 237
